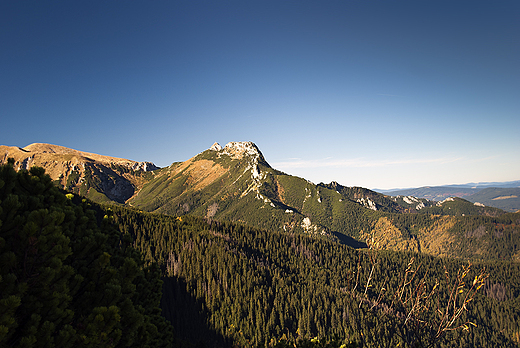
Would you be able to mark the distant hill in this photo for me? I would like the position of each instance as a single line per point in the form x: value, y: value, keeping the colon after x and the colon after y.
x: 471, y: 185
x: 507, y: 199
x: 434, y: 193
x: 456, y: 206
x: 502, y: 195
x: 482, y: 185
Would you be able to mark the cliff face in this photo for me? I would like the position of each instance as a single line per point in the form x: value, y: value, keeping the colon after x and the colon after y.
x: 101, y: 178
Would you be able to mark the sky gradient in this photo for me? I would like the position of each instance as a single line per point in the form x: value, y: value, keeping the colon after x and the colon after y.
x: 379, y: 94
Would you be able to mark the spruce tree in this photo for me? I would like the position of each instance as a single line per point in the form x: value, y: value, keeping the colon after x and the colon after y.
x: 68, y: 277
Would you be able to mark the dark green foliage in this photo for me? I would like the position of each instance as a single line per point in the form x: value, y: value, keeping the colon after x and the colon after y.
x: 229, y: 284
x: 67, y: 277
x: 312, y: 343
x: 489, y: 237
x: 70, y: 278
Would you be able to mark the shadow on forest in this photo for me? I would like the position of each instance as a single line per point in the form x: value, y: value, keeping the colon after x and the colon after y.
x: 351, y: 242
x: 187, y: 316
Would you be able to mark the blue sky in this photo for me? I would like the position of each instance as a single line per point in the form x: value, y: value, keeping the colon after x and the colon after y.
x: 379, y: 94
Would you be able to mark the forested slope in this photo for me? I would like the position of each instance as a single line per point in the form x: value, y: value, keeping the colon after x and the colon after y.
x: 76, y: 273
x: 68, y: 278
x: 236, y: 183
x: 252, y: 286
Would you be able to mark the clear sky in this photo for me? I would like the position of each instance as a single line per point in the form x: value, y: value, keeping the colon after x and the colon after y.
x: 379, y: 94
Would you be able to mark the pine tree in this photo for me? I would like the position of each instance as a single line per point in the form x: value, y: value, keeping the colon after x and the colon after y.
x: 67, y: 276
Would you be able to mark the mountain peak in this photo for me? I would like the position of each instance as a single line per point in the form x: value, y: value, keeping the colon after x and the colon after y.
x: 215, y: 147
x: 239, y: 149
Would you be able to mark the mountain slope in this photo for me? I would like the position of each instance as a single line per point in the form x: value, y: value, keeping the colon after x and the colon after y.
x: 229, y: 284
x: 100, y: 178
x: 253, y: 286
x: 236, y: 183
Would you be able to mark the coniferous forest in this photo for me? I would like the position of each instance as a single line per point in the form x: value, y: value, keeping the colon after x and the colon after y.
x: 68, y: 278
x: 74, y: 273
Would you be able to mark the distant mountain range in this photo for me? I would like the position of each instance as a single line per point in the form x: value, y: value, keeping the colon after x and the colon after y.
x: 502, y: 195
x: 471, y: 185
x: 236, y: 183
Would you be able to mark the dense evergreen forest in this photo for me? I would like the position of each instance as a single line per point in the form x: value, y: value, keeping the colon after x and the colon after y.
x: 73, y: 273
x: 68, y: 278
x: 253, y: 287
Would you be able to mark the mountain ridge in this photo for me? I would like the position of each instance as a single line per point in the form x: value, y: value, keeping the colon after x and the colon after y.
x: 504, y: 195
x: 99, y: 177
x: 470, y: 185
x: 236, y: 183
